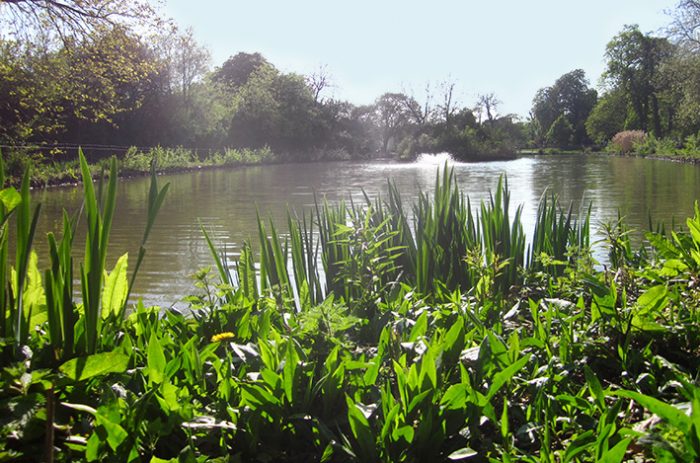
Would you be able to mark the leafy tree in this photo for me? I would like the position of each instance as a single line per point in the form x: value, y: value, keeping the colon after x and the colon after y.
x: 608, y: 116
x: 52, y: 93
x: 273, y: 109
x: 634, y: 63
x: 561, y: 133
x: 236, y: 70
x: 571, y: 97
x: 392, y: 116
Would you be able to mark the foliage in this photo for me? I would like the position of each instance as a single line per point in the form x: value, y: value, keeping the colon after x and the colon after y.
x: 634, y: 64
x: 561, y: 133
x: 626, y: 141
x: 608, y: 116
x: 365, y: 338
x: 569, y: 100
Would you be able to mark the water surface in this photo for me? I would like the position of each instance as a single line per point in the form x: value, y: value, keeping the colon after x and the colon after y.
x: 226, y: 202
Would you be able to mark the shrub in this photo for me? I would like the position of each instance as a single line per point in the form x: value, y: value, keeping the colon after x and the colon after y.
x: 625, y: 141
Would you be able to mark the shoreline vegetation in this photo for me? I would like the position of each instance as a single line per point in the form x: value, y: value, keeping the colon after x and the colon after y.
x: 49, y: 172
x: 137, y: 163
x: 359, y: 337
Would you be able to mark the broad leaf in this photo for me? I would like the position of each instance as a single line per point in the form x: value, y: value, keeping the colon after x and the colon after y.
x: 82, y: 368
x: 116, y: 288
x: 156, y: 360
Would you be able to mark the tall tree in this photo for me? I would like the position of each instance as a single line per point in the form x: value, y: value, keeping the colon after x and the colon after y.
x: 570, y: 97
x: 634, y: 61
x: 392, y: 117
x: 236, y: 70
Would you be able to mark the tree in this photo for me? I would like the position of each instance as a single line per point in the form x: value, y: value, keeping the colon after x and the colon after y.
x: 449, y: 103
x: 190, y: 61
x: 608, y: 116
x: 561, y: 133
x: 571, y: 97
x: 236, y: 70
x: 392, y: 117
x: 276, y: 110
x: 90, y: 81
x: 685, y: 27
x: 634, y: 62
x: 73, y: 18
x: 318, y: 81
x: 487, y: 104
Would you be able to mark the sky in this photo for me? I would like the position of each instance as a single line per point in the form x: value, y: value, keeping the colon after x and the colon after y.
x: 509, y: 47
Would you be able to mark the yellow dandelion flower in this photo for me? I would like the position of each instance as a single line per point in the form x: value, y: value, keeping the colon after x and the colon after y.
x: 222, y: 336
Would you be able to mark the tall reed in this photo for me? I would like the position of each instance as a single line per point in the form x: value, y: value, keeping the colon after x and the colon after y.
x: 359, y: 250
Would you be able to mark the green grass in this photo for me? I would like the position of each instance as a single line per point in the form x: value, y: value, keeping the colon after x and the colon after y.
x: 367, y: 334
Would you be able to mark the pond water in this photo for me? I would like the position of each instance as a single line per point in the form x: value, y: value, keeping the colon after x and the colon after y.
x: 226, y: 202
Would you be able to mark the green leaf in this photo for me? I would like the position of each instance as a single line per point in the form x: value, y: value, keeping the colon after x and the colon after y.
x: 617, y: 453
x: 116, y: 288
x: 403, y: 432
x: 92, y: 450
x: 502, y: 377
x: 455, y: 397
x: 156, y: 360
x: 82, y: 368
x: 653, y: 299
x: 10, y: 198
x: 290, y: 367
x: 671, y: 414
x: 115, y: 433
x: 361, y: 430
x: 595, y: 387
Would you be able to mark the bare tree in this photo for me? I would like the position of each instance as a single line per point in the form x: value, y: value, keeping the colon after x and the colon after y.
x: 449, y: 104
x: 71, y: 18
x: 420, y: 114
x: 487, y: 103
x: 686, y: 23
x: 318, y: 81
x: 191, y: 61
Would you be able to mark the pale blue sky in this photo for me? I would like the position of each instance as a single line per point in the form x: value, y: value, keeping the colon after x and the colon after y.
x: 510, y: 47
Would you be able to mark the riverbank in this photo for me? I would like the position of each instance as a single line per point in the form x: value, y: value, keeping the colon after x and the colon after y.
x: 135, y: 163
x: 680, y: 156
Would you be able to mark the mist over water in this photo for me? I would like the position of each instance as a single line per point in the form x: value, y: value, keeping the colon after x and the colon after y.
x: 226, y: 202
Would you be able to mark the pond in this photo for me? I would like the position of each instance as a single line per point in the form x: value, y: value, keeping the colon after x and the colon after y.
x: 226, y: 202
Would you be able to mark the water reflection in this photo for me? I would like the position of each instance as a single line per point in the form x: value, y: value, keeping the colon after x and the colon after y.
x: 227, y: 202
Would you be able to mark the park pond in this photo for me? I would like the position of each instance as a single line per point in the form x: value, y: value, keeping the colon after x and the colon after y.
x: 227, y: 201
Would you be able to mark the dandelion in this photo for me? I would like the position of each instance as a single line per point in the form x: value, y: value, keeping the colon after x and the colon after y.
x: 222, y: 336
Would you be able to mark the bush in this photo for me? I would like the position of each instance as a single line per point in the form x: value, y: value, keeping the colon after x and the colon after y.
x: 627, y: 140
x: 652, y: 145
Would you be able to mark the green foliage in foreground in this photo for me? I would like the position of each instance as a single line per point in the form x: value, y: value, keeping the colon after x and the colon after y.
x: 361, y: 336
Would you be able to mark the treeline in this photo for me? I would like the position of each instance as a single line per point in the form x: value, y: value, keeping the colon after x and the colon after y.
x: 109, y: 84
x: 110, y: 87
x: 649, y: 100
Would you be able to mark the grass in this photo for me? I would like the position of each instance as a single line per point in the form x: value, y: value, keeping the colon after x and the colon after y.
x: 362, y: 336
